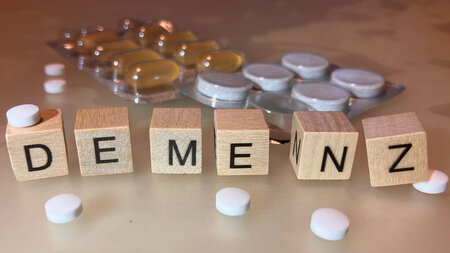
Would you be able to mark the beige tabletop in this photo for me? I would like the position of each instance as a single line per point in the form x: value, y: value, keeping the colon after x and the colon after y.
x: 408, y: 43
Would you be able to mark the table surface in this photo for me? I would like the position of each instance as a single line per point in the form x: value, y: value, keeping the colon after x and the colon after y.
x: 408, y: 42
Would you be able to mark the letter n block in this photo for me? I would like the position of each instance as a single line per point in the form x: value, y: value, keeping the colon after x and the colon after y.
x: 103, y: 141
x: 38, y: 151
x: 396, y: 149
x: 242, y: 142
x: 322, y: 145
x: 176, y: 140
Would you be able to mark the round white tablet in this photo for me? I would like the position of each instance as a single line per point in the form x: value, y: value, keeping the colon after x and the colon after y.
x: 54, y: 69
x: 329, y: 224
x: 232, y: 201
x: 437, y: 183
x: 362, y: 83
x: 307, y: 65
x: 223, y: 85
x: 54, y: 86
x: 63, y: 208
x: 322, y: 96
x: 269, y: 77
x: 23, y: 115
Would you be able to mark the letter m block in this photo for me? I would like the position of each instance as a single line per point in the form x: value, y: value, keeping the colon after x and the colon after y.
x: 322, y: 145
x: 38, y: 151
x: 176, y: 140
x: 396, y: 149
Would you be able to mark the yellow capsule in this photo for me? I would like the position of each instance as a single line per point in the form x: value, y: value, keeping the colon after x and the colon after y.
x: 189, y: 52
x: 84, y: 43
x: 151, y: 74
x: 167, y: 44
x: 104, y: 50
x: 221, y: 60
x: 146, y: 35
x: 121, y: 62
x: 167, y: 25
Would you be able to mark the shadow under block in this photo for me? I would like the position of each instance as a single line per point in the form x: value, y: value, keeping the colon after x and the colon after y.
x: 38, y: 151
x: 103, y: 141
x: 176, y: 141
x: 396, y: 149
x: 322, y: 145
x: 242, y: 142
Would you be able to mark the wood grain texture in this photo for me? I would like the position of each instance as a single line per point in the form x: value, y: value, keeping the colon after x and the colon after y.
x: 176, y: 133
x: 106, y: 130
x: 396, y: 149
x: 49, y: 132
x: 322, y: 146
x: 237, y: 130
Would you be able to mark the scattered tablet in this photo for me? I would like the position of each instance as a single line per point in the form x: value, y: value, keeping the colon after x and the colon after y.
x: 23, y: 115
x: 329, y: 224
x: 54, y: 86
x: 437, y: 183
x: 232, y: 201
x: 63, y: 208
x: 54, y: 69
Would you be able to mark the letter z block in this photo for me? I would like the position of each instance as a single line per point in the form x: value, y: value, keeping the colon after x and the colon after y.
x: 242, y: 142
x: 103, y: 141
x: 396, y: 149
x: 322, y: 145
x: 176, y: 140
x: 38, y: 151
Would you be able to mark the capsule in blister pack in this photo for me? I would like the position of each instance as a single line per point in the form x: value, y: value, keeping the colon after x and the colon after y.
x: 167, y: 44
x: 189, y: 53
x: 84, y: 43
x: 120, y: 63
x: 145, y: 35
x: 102, y: 51
x: 228, y: 60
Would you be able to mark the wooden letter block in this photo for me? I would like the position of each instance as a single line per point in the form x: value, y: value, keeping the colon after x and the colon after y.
x: 322, y: 145
x: 38, y: 151
x: 396, y: 149
x: 242, y: 142
x: 103, y: 141
x: 176, y: 140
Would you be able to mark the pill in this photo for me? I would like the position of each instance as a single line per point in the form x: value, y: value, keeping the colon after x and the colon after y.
x: 222, y: 60
x: 145, y: 35
x: 104, y: 50
x: 126, y: 24
x: 152, y: 73
x: 329, y: 224
x: 362, y: 83
x: 85, y: 42
x: 437, y: 183
x: 166, y: 24
x: 122, y: 61
x: 307, y: 65
x: 63, y: 208
x: 54, y: 86
x: 190, y: 52
x: 269, y: 77
x: 23, y: 115
x: 322, y: 96
x: 223, y: 85
x: 54, y: 69
x: 232, y: 201
x: 167, y: 44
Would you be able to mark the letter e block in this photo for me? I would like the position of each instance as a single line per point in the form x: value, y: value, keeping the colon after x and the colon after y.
x: 322, y: 145
x: 103, y: 141
x: 242, y: 142
x: 396, y: 149
x: 176, y: 140
x: 38, y: 151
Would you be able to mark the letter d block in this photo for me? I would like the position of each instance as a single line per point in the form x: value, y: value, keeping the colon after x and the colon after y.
x: 322, y: 145
x: 396, y: 149
x: 103, y: 141
x: 176, y: 140
x: 242, y: 142
x: 38, y: 151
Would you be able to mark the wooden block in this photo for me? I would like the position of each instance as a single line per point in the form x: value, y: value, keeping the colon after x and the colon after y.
x: 322, y: 145
x: 176, y: 140
x: 396, y: 149
x: 38, y: 151
x: 242, y: 142
x: 103, y: 141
